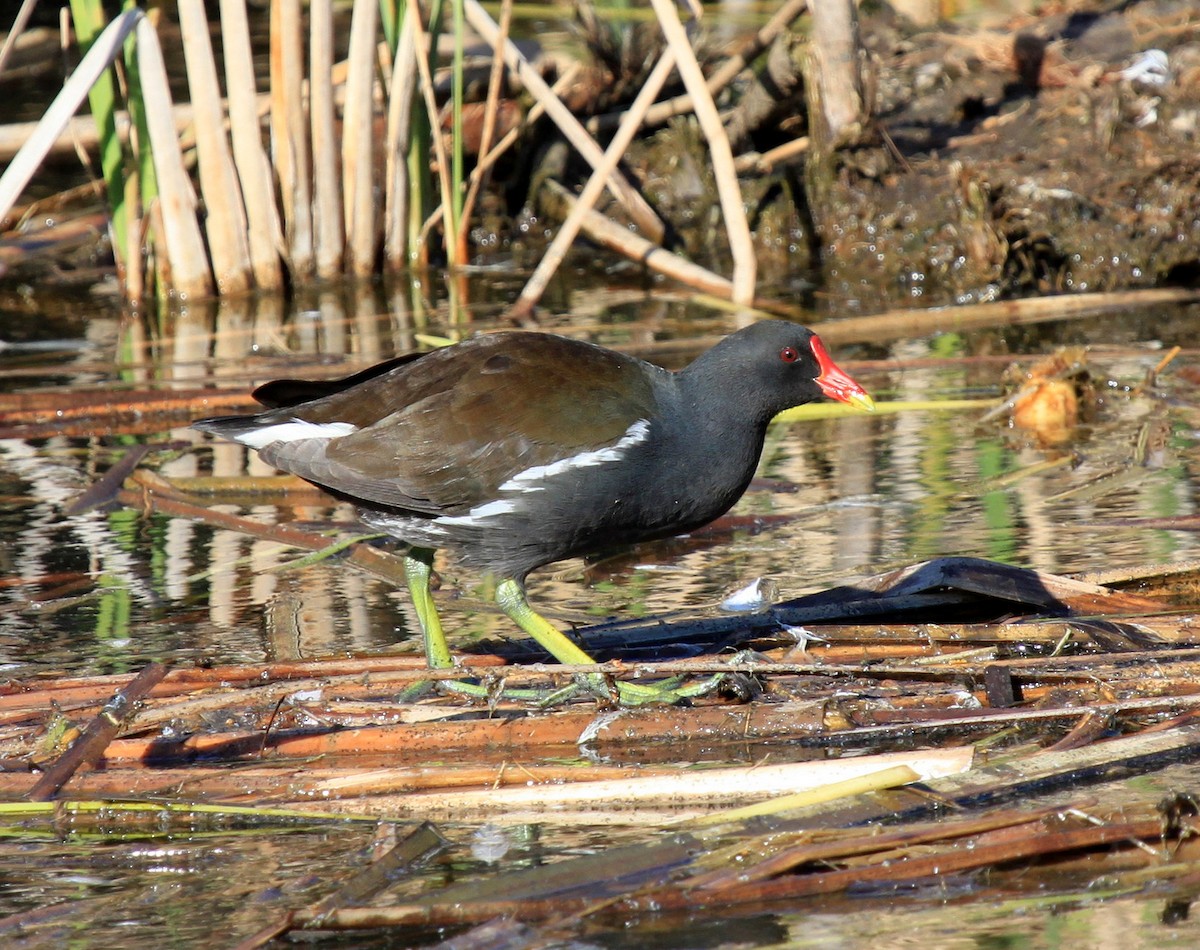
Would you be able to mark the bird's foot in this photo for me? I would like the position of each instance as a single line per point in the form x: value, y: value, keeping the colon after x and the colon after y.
x: 492, y: 691
x: 668, y: 692
x: 610, y: 692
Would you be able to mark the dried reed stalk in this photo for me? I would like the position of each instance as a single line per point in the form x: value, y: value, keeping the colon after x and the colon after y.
x: 328, y: 233
x: 183, y: 262
x: 263, y: 233
x: 358, y: 158
x: 290, y: 143
x: 225, y: 214
x: 399, y: 234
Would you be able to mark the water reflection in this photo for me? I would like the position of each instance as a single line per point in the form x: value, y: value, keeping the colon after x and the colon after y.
x: 862, y: 493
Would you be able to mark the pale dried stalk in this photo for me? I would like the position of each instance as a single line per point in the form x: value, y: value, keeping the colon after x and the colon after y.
x: 553, y: 257
x: 729, y: 191
x: 133, y: 274
x: 722, y: 77
x: 186, y: 261
x: 605, y: 231
x: 358, y: 120
x: 683, y: 795
x: 289, y: 135
x: 225, y: 215
x: 327, y: 213
x: 637, y: 207
x: 18, y: 27
x: 397, y: 189
x: 253, y: 167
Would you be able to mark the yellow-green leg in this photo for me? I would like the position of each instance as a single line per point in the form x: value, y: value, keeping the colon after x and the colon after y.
x: 510, y: 595
x: 418, y: 566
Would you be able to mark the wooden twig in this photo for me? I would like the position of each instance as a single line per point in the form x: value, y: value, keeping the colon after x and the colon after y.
x: 104, y: 490
x: 90, y: 746
x: 617, y: 238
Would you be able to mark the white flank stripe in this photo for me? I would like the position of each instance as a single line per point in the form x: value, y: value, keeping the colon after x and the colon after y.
x: 528, y: 479
x: 478, y: 513
x: 531, y: 479
x: 294, y: 431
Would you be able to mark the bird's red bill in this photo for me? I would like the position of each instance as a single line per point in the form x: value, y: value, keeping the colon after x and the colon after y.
x: 836, y: 383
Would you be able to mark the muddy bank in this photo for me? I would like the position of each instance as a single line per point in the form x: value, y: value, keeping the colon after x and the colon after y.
x: 1033, y: 155
x: 1040, y: 155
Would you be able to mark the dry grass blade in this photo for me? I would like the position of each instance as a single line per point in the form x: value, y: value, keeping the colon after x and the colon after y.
x: 689, y: 794
x: 18, y: 27
x: 104, y: 50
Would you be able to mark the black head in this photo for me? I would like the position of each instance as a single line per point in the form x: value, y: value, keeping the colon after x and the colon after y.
x: 770, y: 366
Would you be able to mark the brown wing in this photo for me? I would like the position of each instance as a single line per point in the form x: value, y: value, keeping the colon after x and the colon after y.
x: 442, y: 433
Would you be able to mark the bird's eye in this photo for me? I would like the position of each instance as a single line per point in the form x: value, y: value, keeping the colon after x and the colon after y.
x: 789, y: 354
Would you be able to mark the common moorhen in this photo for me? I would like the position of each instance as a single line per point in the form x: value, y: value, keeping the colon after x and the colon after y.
x: 517, y: 449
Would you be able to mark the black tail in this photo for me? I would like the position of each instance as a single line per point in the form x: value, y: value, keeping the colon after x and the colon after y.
x: 292, y: 392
